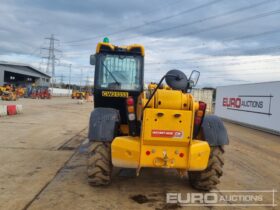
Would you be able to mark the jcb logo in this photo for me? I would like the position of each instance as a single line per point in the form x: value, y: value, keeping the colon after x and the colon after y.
x: 114, y: 94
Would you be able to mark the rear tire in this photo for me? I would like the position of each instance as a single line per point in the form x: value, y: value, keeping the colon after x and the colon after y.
x: 99, y: 168
x: 209, y: 178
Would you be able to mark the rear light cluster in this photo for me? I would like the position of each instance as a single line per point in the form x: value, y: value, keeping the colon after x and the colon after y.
x: 199, y: 115
x: 130, y: 108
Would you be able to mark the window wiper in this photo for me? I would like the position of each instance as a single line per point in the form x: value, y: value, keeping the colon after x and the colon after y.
x: 110, y: 73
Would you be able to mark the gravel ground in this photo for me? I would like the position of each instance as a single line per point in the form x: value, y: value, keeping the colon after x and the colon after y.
x: 43, y: 164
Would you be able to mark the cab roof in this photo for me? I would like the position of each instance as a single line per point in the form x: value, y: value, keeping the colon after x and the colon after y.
x: 108, y: 47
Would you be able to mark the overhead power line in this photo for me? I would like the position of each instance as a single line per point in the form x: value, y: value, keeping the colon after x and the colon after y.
x: 213, y: 59
x: 222, y: 55
x: 226, y: 64
x: 219, y: 71
x: 242, y: 20
x: 241, y: 9
x: 150, y: 22
x: 236, y: 73
x: 144, y: 13
x: 225, y: 53
x: 196, y: 47
x: 231, y: 39
x: 252, y: 35
x: 197, y: 59
x: 224, y: 14
x: 247, y: 72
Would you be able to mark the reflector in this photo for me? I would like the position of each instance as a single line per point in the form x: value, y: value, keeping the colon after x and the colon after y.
x: 130, y: 101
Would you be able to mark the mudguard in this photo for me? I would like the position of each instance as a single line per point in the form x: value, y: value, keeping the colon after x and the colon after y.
x: 214, y: 131
x: 103, y: 124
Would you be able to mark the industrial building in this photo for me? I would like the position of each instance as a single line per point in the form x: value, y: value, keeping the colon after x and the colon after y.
x: 21, y: 74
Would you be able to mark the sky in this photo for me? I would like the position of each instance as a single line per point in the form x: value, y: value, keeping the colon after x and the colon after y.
x: 229, y: 42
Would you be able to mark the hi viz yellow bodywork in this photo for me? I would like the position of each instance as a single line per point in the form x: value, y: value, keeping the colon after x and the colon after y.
x: 159, y: 125
x: 127, y: 48
x: 166, y: 139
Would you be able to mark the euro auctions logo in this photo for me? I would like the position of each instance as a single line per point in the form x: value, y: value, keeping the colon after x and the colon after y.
x: 243, y: 198
x: 258, y: 104
x: 238, y: 103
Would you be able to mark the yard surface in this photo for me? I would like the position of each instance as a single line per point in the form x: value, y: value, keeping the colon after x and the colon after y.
x: 43, y: 164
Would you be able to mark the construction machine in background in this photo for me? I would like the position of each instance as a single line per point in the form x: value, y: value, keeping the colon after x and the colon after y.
x: 20, y: 91
x: 5, y: 88
x: 162, y: 127
x: 8, y: 93
x: 74, y: 94
x: 2, y: 89
x: 9, y: 96
x: 78, y: 94
x: 81, y: 95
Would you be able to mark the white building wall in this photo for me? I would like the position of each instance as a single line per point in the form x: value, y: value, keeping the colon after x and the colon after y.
x: 60, y: 92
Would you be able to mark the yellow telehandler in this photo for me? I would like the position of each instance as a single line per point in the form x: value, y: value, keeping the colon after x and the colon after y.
x: 157, y: 128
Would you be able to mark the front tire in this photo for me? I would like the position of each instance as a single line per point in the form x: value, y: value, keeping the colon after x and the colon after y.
x: 99, y: 168
x: 210, y: 177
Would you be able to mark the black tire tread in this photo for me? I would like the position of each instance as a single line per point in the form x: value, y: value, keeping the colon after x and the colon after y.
x: 99, y: 163
x: 209, y: 178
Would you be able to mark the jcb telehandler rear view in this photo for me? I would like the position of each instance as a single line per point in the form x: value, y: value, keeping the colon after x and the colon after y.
x: 162, y: 127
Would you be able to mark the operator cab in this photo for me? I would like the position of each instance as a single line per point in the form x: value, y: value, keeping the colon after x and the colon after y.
x: 118, y: 75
